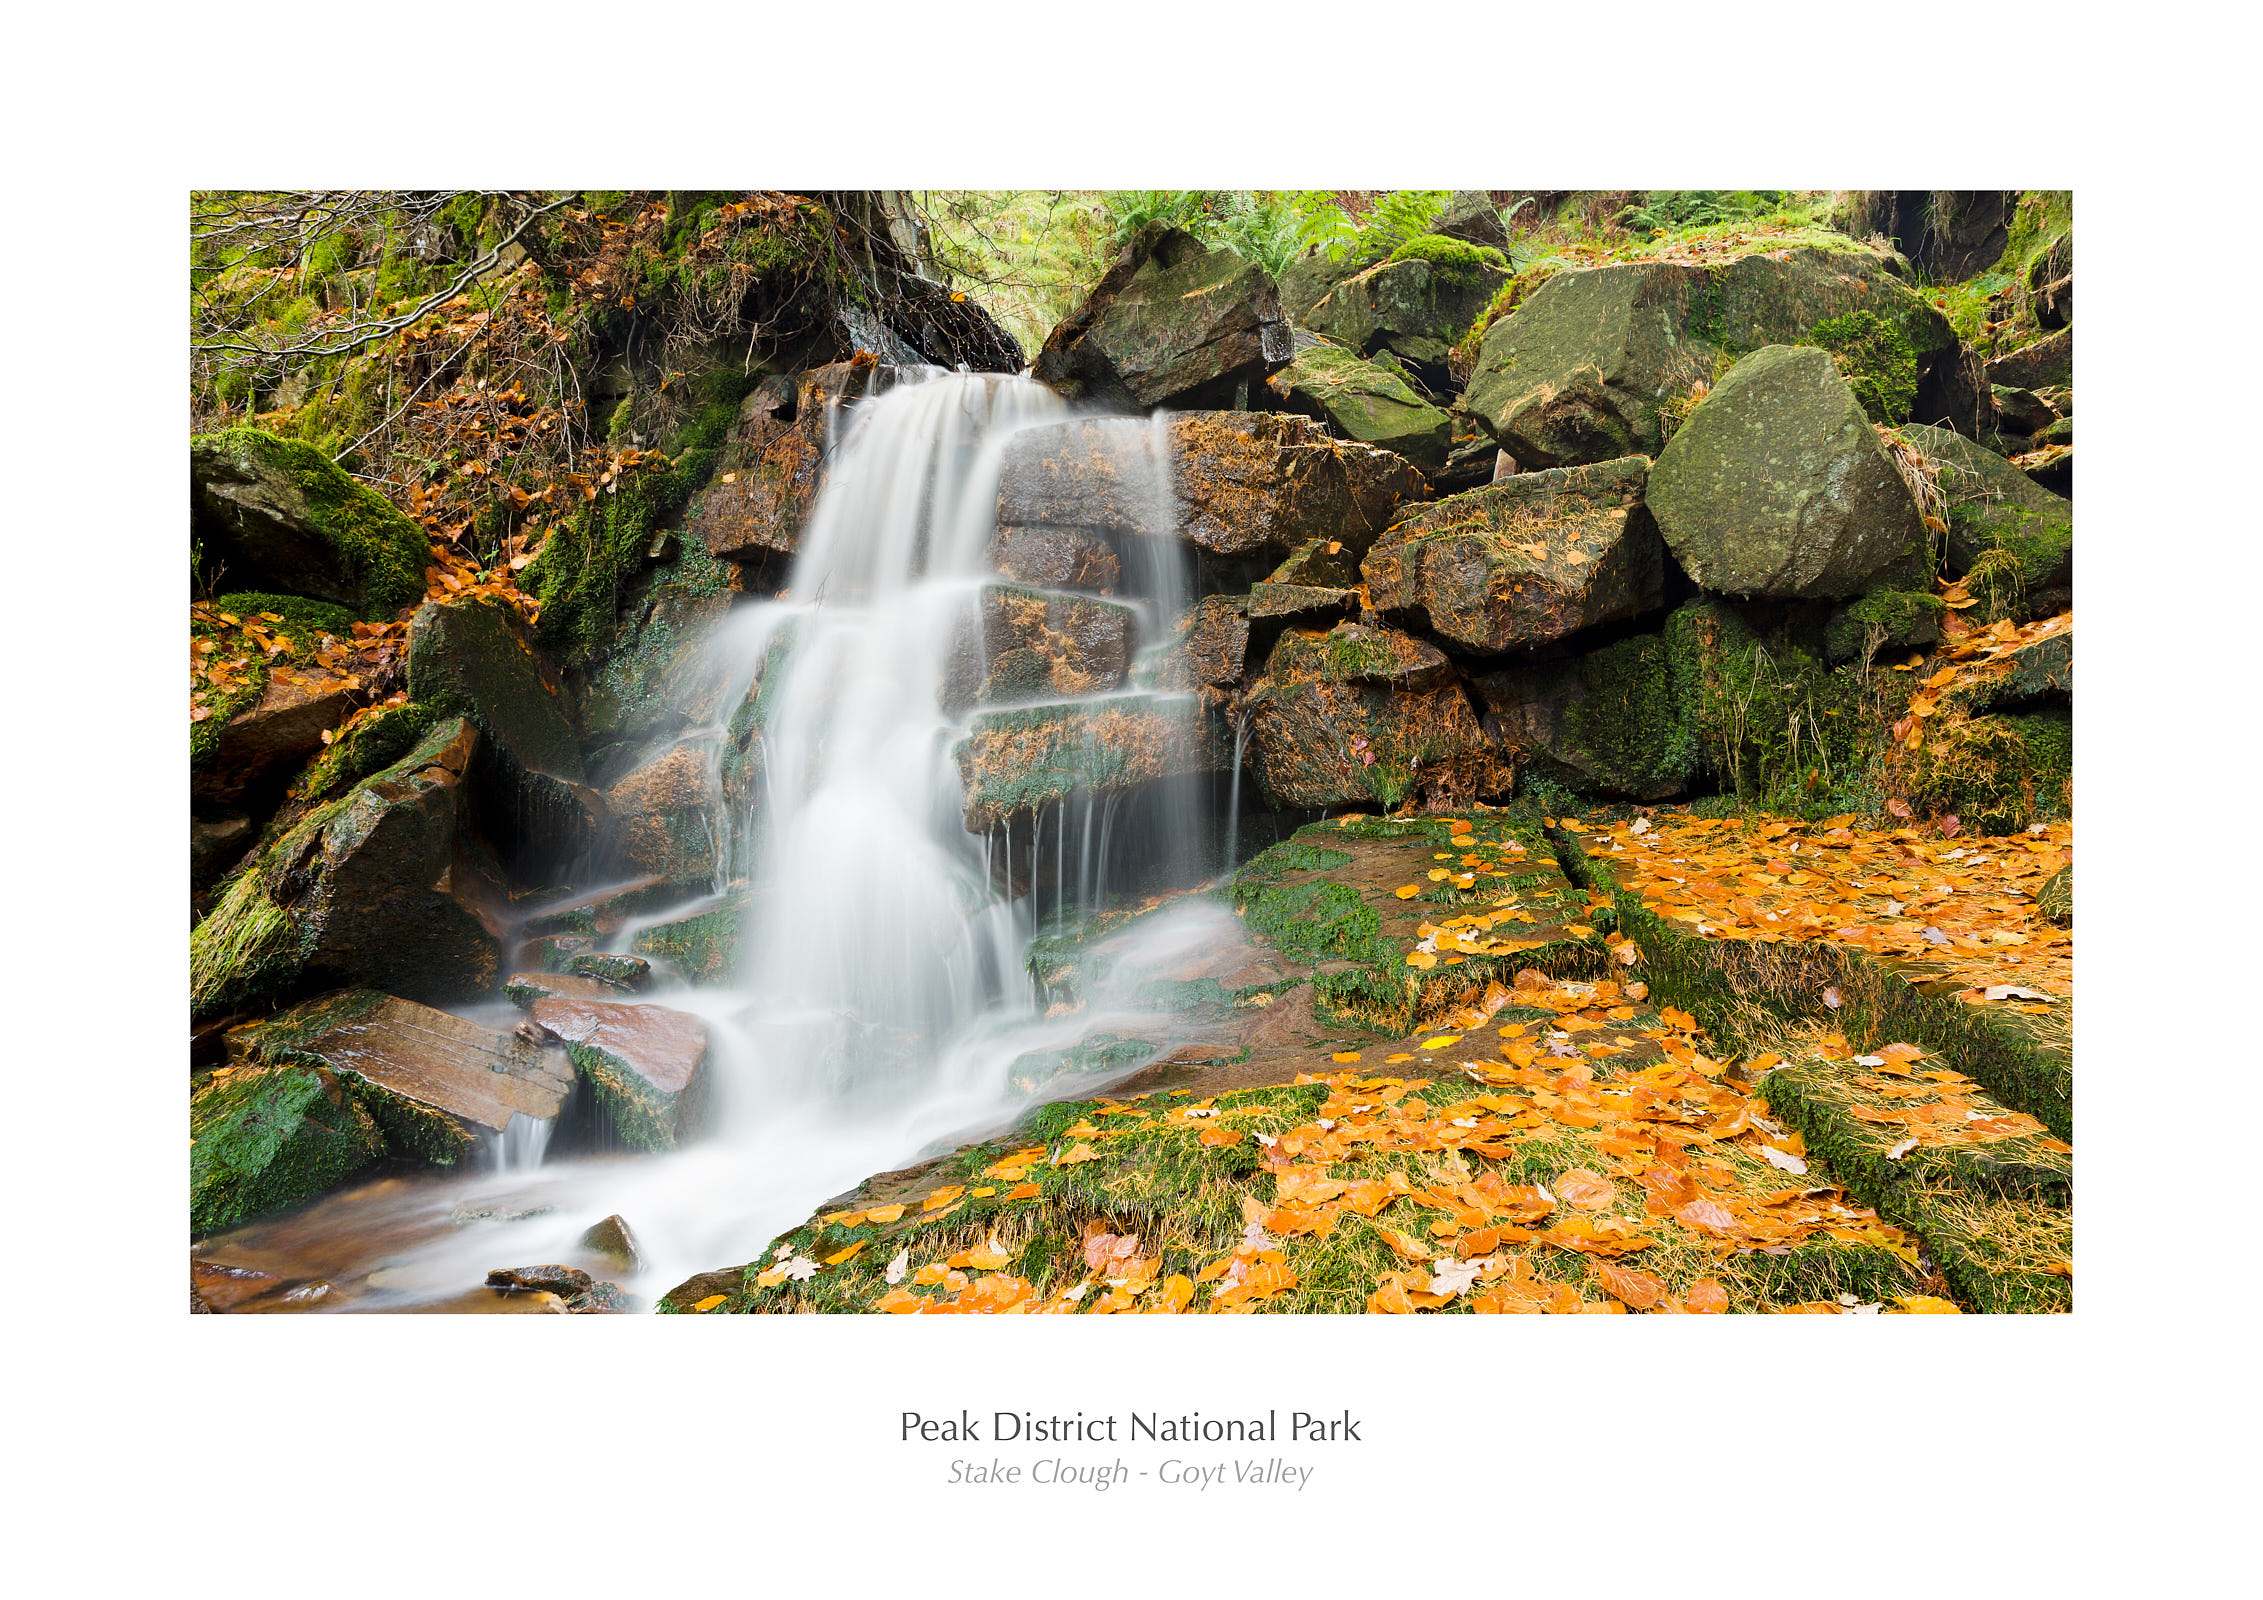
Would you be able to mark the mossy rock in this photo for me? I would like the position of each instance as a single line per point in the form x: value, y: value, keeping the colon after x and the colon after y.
x: 1364, y: 716
x: 265, y: 1139
x: 2055, y: 900
x: 1365, y: 401
x: 1777, y: 486
x: 702, y: 947
x: 2010, y: 538
x: 1875, y: 358
x: 1599, y: 362
x: 1414, y: 305
x: 476, y: 657
x: 1625, y: 721
x: 1995, y: 774
x: 277, y: 513
x: 1883, y: 620
x: 1022, y: 759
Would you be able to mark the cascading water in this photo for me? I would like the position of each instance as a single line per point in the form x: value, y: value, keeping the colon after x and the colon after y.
x: 880, y: 1009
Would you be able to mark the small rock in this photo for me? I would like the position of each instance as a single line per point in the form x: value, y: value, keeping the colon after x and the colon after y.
x: 563, y: 1281
x: 623, y: 972
x: 613, y: 1240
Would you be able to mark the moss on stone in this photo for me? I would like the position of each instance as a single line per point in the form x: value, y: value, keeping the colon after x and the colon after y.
x: 1875, y: 358
x: 1899, y: 619
x: 1454, y: 260
x: 265, y: 1139
x: 367, y: 746
x: 381, y: 553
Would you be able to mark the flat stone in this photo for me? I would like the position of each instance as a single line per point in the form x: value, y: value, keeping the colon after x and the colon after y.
x: 2048, y: 361
x: 1057, y: 558
x: 557, y: 1280
x: 422, y: 1061
x: 1023, y: 644
x: 1365, y: 401
x: 1300, y: 602
x: 1524, y: 561
x: 524, y: 988
x: 647, y: 1064
x: 1209, y: 649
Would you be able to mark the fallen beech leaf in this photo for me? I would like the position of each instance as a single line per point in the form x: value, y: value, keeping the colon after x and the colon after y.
x: 1638, y: 1289
x: 1783, y: 1160
x: 1080, y: 1152
x: 1902, y: 1149
x: 1706, y: 1297
x: 1022, y: 1191
x: 710, y: 1303
x: 1442, y: 1041
x: 1928, y: 1305
x: 1178, y: 1290
x: 1590, y: 1191
x: 884, y: 1213
x: 1411, y: 1248
x: 899, y: 1267
x: 1390, y: 1297
x: 1706, y: 1214
x: 847, y: 1254
x: 1407, y: 891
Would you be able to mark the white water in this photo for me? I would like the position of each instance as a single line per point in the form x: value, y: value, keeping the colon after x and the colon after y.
x: 882, y: 1011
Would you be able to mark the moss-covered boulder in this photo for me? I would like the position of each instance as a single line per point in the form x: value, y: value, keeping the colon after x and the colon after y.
x: 2010, y: 538
x: 1364, y: 401
x: 2055, y: 900
x: 1240, y: 482
x: 1883, y: 620
x: 1599, y: 362
x: 1994, y: 774
x: 1022, y: 759
x: 436, y: 1084
x: 1416, y: 304
x: 1171, y: 323
x: 267, y: 741
x: 1777, y: 486
x: 1622, y: 722
x: 267, y: 1138
x: 1057, y: 558
x: 385, y: 887
x: 699, y: 944
x: 278, y: 514
x: 1308, y: 605
x: 1524, y: 561
x: 775, y: 464
x: 1364, y: 716
x: 647, y: 1064
x: 1305, y: 282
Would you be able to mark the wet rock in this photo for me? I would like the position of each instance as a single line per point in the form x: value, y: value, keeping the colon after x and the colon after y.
x: 2017, y: 536
x: 701, y: 1286
x: 1777, y: 486
x: 1017, y: 760
x: 1170, y: 324
x: 602, y: 911
x: 622, y: 972
x: 551, y: 951
x: 1242, y: 482
x: 1364, y: 401
x: 663, y: 816
x: 2054, y: 302
x: 700, y: 946
x: 524, y: 988
x: 435, y: 1083
x: 384, y: 888
x: 760, y: 510
x: 658, y: 677
x: 1525, y: 561
x: 478, y: 658
x: 2050, y: 360
x: 1033, y: 644
x: 1209, y: 649
x: 1307, y: 280
x: 264, y: 1139
x: 614, y: 1240
x: 275, y: 737
x: 278, y: 515
x: 1364, y: 716
x: 1416, y: 308
x: 646, y: 1063
x: 215, y: 1287
x: 1596, y: 361
x: 1056, y: 558
x: 1474, y: 461
x: 565, y: 1282
x: 604, y: 1299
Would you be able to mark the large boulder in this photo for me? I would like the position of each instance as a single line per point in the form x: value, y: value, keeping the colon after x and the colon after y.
x: 1306, y: 281
x: 475, y: 656
x: 648, y: 1064
x: 1597, y: 362
x: 775, y: 464
x: 386, y: 887
x: 1472, y: 217
x: 276, y: 736
x: 1170, y: 324
x: 1035, y: 644
x: 437, y: 1085
x: 1525, y: 561
x: 664, y: 817
x: 1777, y: 486
x: 1368, y: 717
x: 2016, y: 536
x: 277, y: 514
x: 1209, y: 649
x: 1363, y: 401
x: 1416, y: 305
x: 265, y: 1139
x: 1027, y: 758
x: 1241, y: 482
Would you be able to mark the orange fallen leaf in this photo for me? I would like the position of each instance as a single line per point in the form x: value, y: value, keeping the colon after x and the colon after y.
x: 1590, y: 1191
x: 1706, y: 1297
x: 710, y: 1303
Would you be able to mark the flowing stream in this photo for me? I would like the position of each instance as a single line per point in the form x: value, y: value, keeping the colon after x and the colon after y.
x: 881, y: 1011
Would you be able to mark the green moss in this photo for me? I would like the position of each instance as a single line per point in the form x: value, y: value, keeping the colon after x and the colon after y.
x: 1897, y: 618
x: 264, y: 1140
x: 1875, y: 358
x: 368, y: 746
x: 1981, y: 771
x: 304, y: 622
x: 381, y: 552
x: 589, y: 560
x: 1452, y: 260
x: 1633, y: 729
